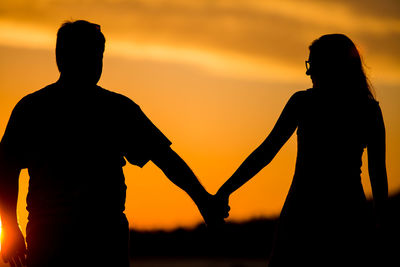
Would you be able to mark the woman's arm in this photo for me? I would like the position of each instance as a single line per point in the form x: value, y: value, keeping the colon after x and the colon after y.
x: 263, y: 155
x: 376, y: 148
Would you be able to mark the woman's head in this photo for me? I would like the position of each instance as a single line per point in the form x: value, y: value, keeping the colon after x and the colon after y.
x: 336, y: 62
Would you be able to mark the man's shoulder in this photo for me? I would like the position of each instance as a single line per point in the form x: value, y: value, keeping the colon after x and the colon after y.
x: 117, y: 99
x: 49, y: 93
x: 34, y: 98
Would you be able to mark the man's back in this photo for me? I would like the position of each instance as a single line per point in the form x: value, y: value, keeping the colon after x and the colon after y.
x: 73, y: 142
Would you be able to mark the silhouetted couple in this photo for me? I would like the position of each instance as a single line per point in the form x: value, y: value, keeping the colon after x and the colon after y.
x: 74, y: 136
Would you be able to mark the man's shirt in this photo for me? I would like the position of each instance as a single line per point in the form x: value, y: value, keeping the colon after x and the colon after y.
x: 74, y: 143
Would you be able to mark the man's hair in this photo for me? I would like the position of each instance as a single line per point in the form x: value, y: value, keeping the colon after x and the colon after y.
x: 77, y: 38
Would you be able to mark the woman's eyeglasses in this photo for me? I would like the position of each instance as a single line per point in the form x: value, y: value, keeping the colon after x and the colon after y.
x: 308, y: 64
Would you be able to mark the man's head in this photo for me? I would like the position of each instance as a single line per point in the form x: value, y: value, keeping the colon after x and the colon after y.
x: 79, y: 51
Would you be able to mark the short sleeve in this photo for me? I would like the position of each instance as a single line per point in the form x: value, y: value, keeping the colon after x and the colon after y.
x: 13, y: 142
x: 143, y: 139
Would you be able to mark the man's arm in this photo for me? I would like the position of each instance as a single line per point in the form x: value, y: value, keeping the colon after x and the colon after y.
x: 13, y: 247
x: 9, y: 176
x: 178, y: 172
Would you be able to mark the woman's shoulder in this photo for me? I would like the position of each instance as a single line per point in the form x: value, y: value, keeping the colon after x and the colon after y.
x: 304, y: 93
x: 373, y: 108
x: 300, y: 96
x: 373, y: 103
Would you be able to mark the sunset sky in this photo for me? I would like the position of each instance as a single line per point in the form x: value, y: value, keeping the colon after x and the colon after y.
x: 213, y: 76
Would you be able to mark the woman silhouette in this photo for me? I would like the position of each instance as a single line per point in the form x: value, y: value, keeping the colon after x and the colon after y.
x: 324, y: 221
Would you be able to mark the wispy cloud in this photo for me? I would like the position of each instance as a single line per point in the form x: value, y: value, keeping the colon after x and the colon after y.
x: 25, y: 35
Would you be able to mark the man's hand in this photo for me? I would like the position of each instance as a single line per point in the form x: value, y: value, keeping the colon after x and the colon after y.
x: 13, y: 249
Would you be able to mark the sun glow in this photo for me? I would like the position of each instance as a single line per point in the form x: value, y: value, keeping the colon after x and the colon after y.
x: 0, y: 235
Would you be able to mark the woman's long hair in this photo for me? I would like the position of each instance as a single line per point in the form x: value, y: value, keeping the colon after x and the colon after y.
x: 336, y: 62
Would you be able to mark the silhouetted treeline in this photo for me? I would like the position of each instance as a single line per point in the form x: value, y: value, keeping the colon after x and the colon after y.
x: 251, y: 239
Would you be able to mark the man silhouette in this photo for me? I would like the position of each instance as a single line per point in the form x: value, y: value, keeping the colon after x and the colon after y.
x: 73, y: 137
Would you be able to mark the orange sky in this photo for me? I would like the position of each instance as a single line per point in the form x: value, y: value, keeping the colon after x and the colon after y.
x: 212, y: 75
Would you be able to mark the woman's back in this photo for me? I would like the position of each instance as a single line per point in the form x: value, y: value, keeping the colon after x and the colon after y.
x: 326, y: 210
x: 332, y: 134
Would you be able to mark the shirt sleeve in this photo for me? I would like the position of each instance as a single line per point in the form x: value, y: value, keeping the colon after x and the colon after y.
x: 13, y: 142
x: 144, y: 139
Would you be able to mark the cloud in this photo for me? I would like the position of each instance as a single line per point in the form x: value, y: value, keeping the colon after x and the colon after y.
x: 25, y: 35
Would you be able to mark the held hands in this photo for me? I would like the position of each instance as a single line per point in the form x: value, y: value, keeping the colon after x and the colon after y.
x: 214, y: 209
x: 13, y: 249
